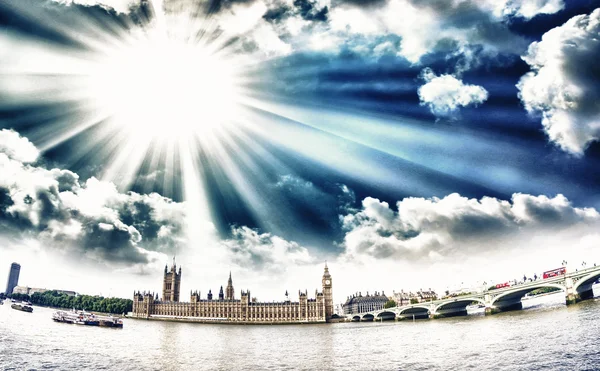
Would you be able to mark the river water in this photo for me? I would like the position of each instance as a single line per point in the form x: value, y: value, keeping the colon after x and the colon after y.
x: 545, y: 335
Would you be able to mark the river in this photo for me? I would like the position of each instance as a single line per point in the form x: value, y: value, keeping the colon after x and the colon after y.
x: 544, y: 335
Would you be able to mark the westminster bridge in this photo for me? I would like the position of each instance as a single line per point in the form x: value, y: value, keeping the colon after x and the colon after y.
x: 576, y: 285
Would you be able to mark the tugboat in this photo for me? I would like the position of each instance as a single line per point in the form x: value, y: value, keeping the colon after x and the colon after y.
x: 87, y: 319
x: 22, y: 307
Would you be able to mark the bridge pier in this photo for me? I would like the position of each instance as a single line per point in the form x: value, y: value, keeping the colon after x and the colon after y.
x: 576, y: 297
x: 571, y: 296
x: 571, y: 299
x: 504, y: 308
x: 501, y: 306
x: 487, y: 298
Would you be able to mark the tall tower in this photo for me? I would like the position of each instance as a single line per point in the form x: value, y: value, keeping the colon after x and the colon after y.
x: 229, y: 289
x: 13, y: 278
x: 327, y: 293
x: 171, y: 283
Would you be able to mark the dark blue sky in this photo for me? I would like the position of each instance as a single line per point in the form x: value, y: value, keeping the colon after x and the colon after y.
x: 491, y: 149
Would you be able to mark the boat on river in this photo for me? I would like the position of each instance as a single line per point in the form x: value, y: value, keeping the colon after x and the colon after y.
x: 86, y: 319
x: 22, y: 307
x: 475, y: 307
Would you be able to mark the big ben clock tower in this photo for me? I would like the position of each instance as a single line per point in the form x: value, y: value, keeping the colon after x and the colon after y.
x: 327, y: 293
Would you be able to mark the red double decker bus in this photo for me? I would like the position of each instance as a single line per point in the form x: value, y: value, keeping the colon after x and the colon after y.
x: 501, y: 285
x: 555, y: 272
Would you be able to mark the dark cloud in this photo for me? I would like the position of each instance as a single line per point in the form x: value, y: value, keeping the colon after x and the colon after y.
x: 309, y: 11
x: 67, y: 180
x: 216, y: 6
x: 306, y: 9
x: 277, y: 14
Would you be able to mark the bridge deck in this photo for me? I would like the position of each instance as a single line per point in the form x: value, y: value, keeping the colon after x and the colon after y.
x: 481, y: 296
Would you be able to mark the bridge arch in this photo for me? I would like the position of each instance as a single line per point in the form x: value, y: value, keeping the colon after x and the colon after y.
x: 515, y: 295
x: 586, y: 281
x: 459, y: 303
x: 356, y: 319
x: 386, y: 315
x: 367, y: 317
x: 418, y: 311
x: 417, y: 307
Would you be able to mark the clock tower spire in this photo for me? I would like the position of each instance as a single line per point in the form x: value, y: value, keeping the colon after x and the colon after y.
x: 327, y: 293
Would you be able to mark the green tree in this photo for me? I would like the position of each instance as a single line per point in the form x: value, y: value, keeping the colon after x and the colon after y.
x: 414, y: 301
x: 390, y: 304
x: 91, y: 303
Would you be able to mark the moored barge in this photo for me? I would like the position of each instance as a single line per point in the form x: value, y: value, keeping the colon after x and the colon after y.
x: 22, y: 307
x: 87, y: 319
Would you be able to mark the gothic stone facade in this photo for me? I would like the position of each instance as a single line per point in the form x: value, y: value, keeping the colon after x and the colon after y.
x: 229, y: 309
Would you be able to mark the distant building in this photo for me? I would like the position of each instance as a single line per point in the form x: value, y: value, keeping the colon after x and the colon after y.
x: 403, y: 298
x: 13, y: 278
x: 426, y: 295
x: 23, y: 290
x: 361, y: 304
x: 227, y: 308
x: 32, y: 290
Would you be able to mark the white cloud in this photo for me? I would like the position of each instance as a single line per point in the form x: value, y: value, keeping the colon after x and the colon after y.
x: 264, y: 252
x: 121, y: 6
x: 16, y: 147
x: 455, y: 226
x: 445, y: 94
x: 564, y: 85
x: 530, y: 8
x: 427, y: 26
x: 269, y: 42
x: 522, y: 8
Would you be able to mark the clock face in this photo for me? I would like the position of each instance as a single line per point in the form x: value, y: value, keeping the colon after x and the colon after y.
x: 327, y: 282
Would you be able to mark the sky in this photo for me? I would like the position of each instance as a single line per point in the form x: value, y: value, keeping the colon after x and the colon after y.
x: 410, y: 144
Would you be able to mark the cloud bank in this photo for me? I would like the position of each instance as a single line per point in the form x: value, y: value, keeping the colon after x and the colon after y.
x: 455, y: 226
x: 272, y: 28
x: 91, y: 219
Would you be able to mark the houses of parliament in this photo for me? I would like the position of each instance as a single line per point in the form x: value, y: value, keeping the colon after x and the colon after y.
x: 227, y: 308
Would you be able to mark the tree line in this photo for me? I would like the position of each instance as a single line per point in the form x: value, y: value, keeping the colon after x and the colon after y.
x: 80, y: 302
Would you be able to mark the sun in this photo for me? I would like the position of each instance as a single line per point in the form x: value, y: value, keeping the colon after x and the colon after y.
x: 162, y: 102
x: 164, y: 88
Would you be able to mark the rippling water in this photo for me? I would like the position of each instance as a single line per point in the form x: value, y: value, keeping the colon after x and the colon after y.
x: 545, y: 335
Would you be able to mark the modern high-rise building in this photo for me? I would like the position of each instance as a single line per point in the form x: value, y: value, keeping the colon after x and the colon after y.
x: 13, y: 278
